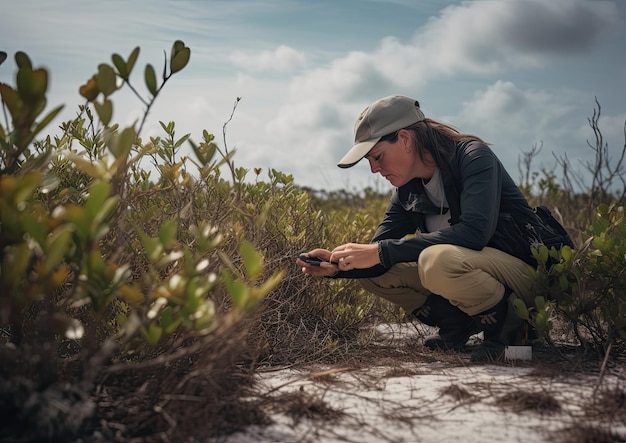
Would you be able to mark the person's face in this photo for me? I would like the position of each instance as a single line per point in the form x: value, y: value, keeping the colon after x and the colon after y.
x: 398, y: 161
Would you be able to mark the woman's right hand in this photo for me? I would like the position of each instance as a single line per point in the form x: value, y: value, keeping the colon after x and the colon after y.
x: 325, y: 269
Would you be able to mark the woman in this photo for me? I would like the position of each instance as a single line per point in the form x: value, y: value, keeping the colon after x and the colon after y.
x: 445, y: 249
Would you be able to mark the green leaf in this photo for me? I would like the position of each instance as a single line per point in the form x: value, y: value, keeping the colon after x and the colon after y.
x: 238, y: 290
x: 204, y: 317
x: 180, y: 60
x: 120, y: 143
x: 269, y: 284
x: 57, y: 245
x: 98, y: 193
x: 97, y: 266
x: 153, y: 334
x: 132, y: 58
x: 150, y: 79
x: 97, y: 229
x: 167, y: 233
x: 543, y: 254
x: 181, y: 140
x: 34, y: 227
x: 3, y: 56
x: 22, y: 60
x: 252, y: 260
x: 204, y: 152
x: 153, y: 246
x: 211, y: 149
x: 541, y: 321
x: 540, y: 303
x: 89, y: 168
x: 199, y: 154
x: 12, y: 99
x: 131, y: 294
x: 120, y: 65
x: 240, y: 173
x: 32, y: 85
x: 566, y: 253
x: 177, y: 46
x: 520, y: 308
x: 169, y: 321
x: 106, y: 79
x: 104, y: 111
x: 207, y: 136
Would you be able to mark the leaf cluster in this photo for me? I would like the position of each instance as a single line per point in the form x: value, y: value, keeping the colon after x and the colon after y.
x: 586, y: 286
x: 102, y: 266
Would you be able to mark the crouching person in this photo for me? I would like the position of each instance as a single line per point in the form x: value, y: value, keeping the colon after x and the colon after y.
x: 453, y: 246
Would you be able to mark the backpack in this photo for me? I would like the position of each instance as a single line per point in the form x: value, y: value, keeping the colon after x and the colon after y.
x: 516, y: 236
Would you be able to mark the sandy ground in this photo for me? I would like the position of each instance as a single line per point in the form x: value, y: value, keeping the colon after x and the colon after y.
x: 442, y: 401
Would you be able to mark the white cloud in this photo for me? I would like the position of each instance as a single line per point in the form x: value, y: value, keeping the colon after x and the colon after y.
x: 513, y: 109
x: 282, y: 59
x: 487, y: 36
x: 476, y: 37
x: 308, y: 116
x: 500, y: 69
x: 613, y: 127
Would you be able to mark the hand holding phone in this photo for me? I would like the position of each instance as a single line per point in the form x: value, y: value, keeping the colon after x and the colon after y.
x: 315, y: 261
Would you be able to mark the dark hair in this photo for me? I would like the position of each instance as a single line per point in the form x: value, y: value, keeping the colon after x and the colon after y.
x: 438, y: 139
x: 391, y: 138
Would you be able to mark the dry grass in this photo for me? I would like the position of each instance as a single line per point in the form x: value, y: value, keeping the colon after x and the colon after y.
x: 458, y: 393
x: 301, y: 404
x: 370, y: 369
x: 210, y: 388
x: 586, y: 434
x: 520, y: 401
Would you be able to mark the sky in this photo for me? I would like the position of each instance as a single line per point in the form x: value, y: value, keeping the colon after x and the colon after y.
x: 517, y: 73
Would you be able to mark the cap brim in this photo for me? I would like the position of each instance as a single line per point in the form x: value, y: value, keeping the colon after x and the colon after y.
x: 357, y: 152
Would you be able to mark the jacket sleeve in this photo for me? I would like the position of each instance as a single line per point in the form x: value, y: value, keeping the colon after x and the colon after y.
x: 480, y: 174
x: 396, y: 223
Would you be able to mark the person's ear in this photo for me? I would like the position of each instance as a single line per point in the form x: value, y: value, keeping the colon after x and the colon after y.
x: 404, y: 137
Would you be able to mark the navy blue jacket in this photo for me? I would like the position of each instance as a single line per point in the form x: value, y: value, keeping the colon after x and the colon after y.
x: 486, y: 209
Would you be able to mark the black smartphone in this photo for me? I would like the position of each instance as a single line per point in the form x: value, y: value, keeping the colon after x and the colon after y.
x: 315, y: 261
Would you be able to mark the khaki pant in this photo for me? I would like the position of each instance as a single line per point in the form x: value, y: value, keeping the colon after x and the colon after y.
x: 472, y: 280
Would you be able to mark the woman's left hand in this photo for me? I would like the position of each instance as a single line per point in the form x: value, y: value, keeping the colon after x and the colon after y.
x: 355, y: 256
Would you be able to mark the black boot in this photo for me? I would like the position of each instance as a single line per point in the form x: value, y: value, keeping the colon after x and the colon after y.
x: 501, y: 327
x: 455, y: 326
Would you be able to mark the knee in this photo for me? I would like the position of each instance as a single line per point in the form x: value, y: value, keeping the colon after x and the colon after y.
x: 438, y: 262
x: 434, y: 256
x: 372, y: 285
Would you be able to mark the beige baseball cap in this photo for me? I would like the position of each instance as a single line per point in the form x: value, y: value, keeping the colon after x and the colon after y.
x: 382, y: 117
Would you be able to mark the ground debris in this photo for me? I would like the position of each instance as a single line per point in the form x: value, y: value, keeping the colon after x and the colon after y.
x: 519, y: 401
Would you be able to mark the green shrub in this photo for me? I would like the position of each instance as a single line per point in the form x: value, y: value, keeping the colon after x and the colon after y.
x: 586, y: 286
x: 90, y: 275
x: 582, y: 288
